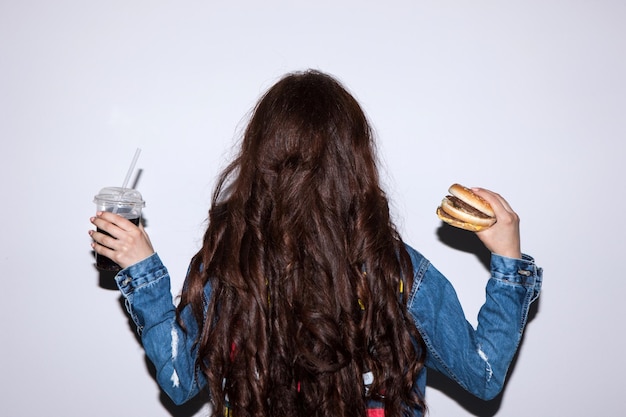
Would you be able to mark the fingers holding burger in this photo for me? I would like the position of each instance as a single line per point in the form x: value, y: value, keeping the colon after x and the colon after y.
x: 485, y: 212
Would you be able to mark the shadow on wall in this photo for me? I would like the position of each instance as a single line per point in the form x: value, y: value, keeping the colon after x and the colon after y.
x: 470, y: 403
x: 188, y: 409
x: 464, y: 241
x: 106, y: 280
x: 469, y: 242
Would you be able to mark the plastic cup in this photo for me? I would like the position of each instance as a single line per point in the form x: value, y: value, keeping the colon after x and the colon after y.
x: 127, y: 203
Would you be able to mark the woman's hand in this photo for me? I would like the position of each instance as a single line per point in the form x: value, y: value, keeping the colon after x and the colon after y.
x: 503, y: 238
x: 127, y: 245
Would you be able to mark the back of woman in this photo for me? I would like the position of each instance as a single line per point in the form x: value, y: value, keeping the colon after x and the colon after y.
x: 304, y: 300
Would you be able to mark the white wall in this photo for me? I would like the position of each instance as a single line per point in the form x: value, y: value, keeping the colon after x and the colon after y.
x: 526, y: 98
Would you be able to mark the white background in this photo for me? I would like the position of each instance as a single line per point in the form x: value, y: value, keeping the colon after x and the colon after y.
x: 523, y: 97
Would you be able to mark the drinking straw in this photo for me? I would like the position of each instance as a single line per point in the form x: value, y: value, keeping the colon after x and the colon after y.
x: 131, y: 168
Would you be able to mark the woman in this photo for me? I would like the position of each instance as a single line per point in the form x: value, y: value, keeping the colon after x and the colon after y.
x: 303, y: 299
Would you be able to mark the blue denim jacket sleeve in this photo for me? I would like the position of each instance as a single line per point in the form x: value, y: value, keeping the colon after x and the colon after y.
x: 477, y: 359
x: 145, y: 287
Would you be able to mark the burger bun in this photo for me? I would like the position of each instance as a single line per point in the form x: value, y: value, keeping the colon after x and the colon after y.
x: 466, y: 210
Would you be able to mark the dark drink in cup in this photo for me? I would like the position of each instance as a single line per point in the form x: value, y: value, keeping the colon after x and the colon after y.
x: 123, y: 201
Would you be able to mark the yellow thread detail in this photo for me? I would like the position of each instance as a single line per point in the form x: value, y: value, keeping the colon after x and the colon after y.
x: 401, y: 286
x: 361, y: 304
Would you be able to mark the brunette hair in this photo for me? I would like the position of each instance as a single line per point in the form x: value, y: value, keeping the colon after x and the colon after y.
x: 309, y: 276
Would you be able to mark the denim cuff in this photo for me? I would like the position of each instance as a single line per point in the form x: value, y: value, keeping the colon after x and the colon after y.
x: 522, y: 271
x: 140, y: 274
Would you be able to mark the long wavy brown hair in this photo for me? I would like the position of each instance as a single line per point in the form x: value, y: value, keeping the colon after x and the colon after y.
x: 309, y: 276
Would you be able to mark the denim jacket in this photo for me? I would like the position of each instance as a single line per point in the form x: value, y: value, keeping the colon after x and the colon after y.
x: 477, y: 359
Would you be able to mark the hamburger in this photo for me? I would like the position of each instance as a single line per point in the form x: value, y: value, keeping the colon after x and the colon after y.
x: 466, y: 210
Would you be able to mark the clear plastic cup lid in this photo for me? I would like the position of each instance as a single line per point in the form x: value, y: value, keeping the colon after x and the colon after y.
x: 120, y: 195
